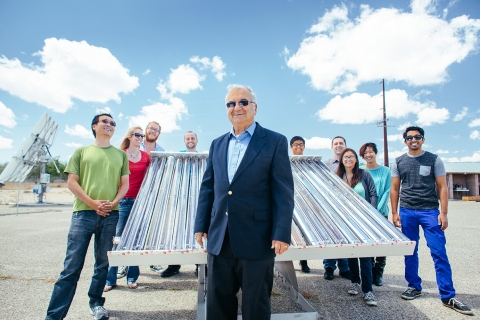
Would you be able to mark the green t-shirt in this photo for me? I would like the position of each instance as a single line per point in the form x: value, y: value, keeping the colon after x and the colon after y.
x: 99, y: 171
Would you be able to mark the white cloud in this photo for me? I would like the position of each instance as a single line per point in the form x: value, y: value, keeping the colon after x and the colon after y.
x: 181, y: 80
x: 474, y: 123
x: 318, y: 143
x: 475, y: 135
x: 70, y: 70
x: 6, y: 143
x: 146, y: 72
x: 73, y: 145
x: 103, y: 110
x: 7, y: 117
x: 79, y: 131
x: 404, y: 126
x: 361, y: 108
x: 340, y: 53
x: 216, y: 65
x: 120, y: 116
x: 440, y: 151
x: 461, y: 115
x: 475, y: 157
x: 395, y: 137
x: 432, y: 115
x: 167, y: 114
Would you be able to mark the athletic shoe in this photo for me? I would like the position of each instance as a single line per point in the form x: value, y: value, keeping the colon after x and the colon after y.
x: 170, y: 271
x: 411, y: 293
x: 99, y: 313
x: 370, y: 299
x: 457, y: 306
x: 305, y: 267
x: 354, y: 288
x: 157, y: 269
x: 122, y: 272
x: 328, y: 275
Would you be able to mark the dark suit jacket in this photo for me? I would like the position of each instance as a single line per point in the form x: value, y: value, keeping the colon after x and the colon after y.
x: 257, y: 206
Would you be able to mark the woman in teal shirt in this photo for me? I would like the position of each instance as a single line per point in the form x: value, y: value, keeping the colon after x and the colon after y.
x: 383, y: 180
x: 361, y: 182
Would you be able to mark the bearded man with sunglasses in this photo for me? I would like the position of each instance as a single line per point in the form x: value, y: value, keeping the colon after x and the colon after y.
x: 421, y: 175
x: 245, y: 210
x: 98, y: 177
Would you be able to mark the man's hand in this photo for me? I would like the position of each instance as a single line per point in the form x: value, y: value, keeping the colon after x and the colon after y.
x: 396, y: 220
x: 443, y: 221
x: 199, y: 237
x: 279, y: 246
x: 101, y: 207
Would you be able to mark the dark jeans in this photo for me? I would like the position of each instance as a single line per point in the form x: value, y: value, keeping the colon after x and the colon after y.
x: 436, y: 241
x: 342, y: 264
x: 378, y: 263
x: 226, y: 274
x: 365, y: 270
x: 84, y: 224
x: 133, y: 272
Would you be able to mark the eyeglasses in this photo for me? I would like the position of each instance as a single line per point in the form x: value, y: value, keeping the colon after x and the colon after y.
x: 241, y: 103
x: 297, y: 145
x: 349, y: 157
x: 153, y: 129
x: 417, y: 137
x: 138, y: 135
x: 112, y: 123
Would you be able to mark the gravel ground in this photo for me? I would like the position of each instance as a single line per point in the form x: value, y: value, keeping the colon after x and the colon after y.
x: 33, y: 248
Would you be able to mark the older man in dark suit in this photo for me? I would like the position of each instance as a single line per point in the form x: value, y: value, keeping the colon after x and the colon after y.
x: 245, y: 208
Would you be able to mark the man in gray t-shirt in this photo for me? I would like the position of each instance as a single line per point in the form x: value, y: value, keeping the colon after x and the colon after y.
x: 422, y: 178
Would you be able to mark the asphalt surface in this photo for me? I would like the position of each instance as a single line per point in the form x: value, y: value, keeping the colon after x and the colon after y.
x: 32, y: 248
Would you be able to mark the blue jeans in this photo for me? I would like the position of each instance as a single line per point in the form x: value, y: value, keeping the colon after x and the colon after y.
x: 435, y: 237
x: 342, y: 264
x: 133, y: 272
x: 83, y: 225
x: 365, y: 272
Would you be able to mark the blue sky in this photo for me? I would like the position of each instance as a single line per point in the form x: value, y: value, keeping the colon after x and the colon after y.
x: 315, y: 66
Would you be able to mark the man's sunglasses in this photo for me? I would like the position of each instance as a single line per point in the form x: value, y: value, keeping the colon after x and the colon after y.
x: 153, y: 129
x: 138, y: 135
x: 241, y: 103
x: 417, y: 137
x: 112, y: 123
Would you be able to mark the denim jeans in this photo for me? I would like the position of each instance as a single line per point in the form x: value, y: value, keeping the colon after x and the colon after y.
x: 84, y: 224
x: 436, y: 241
x: 133, y: 272
x: 342, y: 264
x: 365, y: 272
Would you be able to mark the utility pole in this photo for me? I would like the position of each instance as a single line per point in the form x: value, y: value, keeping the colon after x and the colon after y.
x: 385, y: 144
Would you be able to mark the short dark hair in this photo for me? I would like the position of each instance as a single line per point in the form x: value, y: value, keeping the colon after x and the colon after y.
x: 344, y: 141
x: 413, y: 128
x: 96, y: 119
x: 295, y: 139
x: 190, y: 132
x: 365, y: 146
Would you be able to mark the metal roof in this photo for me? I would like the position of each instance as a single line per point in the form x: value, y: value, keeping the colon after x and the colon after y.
x: 462, y: 167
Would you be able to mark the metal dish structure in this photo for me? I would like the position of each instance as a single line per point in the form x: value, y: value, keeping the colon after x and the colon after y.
x: 329, y: 221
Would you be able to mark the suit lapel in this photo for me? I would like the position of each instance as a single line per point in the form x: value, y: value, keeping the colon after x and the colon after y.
x: 222, y: 151
x: 254, y: 147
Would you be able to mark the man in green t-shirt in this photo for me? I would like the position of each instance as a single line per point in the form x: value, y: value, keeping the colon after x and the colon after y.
x: 98, y: 177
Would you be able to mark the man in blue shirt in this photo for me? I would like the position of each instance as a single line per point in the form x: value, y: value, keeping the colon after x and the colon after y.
x: 245, y: 209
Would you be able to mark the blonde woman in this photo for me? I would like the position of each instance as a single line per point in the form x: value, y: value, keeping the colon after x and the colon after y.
x: 138, y: 162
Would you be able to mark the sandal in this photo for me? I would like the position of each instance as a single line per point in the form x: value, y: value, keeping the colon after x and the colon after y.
x: 108, y: 288
x: 132, y: 285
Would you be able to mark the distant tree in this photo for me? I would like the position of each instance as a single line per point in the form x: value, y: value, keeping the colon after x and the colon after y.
x: 2, y: 166
x: 50, y: 169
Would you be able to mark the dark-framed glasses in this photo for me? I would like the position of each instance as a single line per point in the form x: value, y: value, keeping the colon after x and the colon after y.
x: 153, y: 129
x: 348, y: 157
x: 417, y: 137
x: 112, y: 123
x: 241, y: 103
x: 138, y: 135
x: 298, y: 145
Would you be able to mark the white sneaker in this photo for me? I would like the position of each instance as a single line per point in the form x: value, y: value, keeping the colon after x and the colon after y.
x: 370, y: 299
x: 99, y: 313
x: 122, y: 272
x: 354, y: 288
x: 157, y: 269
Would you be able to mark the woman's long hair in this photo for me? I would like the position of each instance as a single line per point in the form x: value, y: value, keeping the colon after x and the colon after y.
x: 126, y: 142
x: 357, y: 173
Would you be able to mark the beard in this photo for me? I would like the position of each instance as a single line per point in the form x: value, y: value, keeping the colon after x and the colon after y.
x: 147, y: 137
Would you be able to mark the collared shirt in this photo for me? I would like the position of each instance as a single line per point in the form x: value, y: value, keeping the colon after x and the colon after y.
x: 332, y: 163
x: 157, y: 147
x: 237, y: 146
